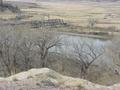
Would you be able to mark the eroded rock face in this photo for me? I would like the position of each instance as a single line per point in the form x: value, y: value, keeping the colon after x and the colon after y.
x: 46, y: 79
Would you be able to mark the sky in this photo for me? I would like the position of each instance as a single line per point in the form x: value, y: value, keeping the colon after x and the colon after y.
x: 20, y: 0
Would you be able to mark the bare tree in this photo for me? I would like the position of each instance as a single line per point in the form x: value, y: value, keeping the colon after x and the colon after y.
x: 1, y: 2
x: 8, y: 53
x: 45, y: 42
x: 86, y: 55
x: 26, y: 50
x: 113, y: 51
x: 17, y: 53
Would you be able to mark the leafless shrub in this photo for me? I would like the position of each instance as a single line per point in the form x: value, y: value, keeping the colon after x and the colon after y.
x: 92, y: 22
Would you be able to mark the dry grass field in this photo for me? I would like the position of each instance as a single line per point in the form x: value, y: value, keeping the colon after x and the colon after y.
x: 105, y: 16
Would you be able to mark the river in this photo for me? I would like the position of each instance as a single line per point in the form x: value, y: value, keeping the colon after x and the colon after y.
x: 69, y: 41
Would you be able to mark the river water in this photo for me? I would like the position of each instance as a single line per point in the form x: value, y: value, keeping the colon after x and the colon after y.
x: 69, y: 42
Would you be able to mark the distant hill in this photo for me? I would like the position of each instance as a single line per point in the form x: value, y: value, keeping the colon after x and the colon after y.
x: 65, y: 0
x: 83, y: 0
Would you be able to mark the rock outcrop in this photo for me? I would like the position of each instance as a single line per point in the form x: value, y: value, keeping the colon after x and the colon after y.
x: 46, y: 79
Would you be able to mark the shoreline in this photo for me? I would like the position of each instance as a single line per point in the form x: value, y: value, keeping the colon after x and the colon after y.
x: 102, y: 37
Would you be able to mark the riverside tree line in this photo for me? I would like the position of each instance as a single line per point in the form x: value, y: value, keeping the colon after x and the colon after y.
x: 23, y: 50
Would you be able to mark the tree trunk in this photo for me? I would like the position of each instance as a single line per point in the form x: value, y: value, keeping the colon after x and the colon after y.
x: 44, y: 62
x: 44, y: 57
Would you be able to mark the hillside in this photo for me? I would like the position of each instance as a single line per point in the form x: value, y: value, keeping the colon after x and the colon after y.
x: 66, y: 0
x: 83, y: 0
x: 45, y: 23
x: 46, y: 79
